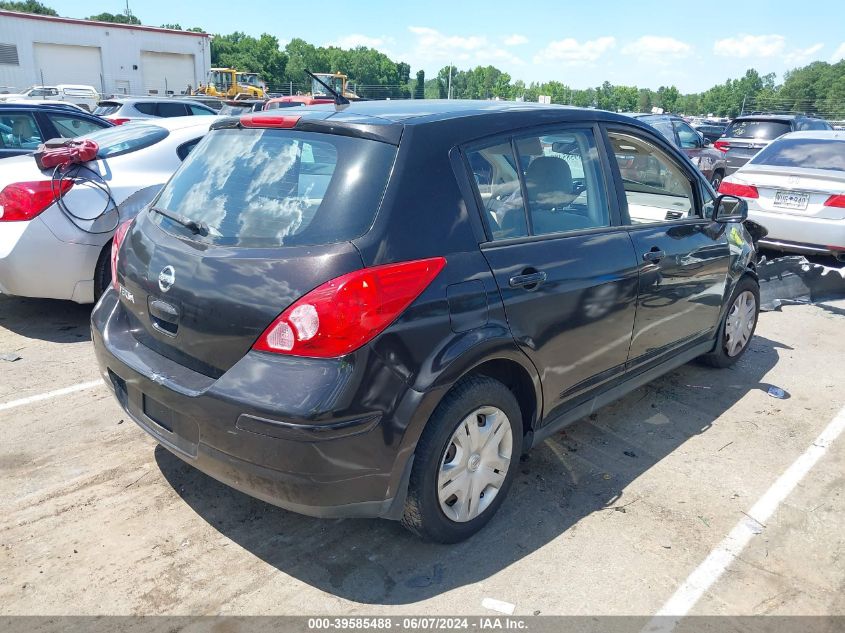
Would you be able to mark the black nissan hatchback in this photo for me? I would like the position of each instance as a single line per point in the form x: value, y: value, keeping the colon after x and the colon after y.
x: 373, y: 310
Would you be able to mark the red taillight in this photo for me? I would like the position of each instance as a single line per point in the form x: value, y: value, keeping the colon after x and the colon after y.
x: 835, y: 201
x: 24, y: 200
x: 722, y: 146
x: 118, y: 120
x: 116, y: 241
x: 735, y: 189
x: 261, y: 120
x: 349, y: 311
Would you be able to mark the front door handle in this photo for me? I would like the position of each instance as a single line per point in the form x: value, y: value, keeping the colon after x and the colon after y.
x: 654, y: 255
x: 528, y: 281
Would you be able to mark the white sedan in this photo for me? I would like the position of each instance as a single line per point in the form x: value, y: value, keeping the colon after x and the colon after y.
x: 55, y: 232
x: 795, y: 187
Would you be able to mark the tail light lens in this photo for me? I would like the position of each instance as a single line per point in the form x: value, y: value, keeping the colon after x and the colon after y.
x: 118, y: 120
x: 116, y: 241
x: 722, y: 146
x: 736, y: 189
x: 263, y: 120
x: 23, y: 201
x: 349, y: 311
x: 835, y: 201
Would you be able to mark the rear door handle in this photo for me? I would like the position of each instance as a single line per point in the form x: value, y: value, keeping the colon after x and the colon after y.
x: 531, y: 279
x: 654, y: 256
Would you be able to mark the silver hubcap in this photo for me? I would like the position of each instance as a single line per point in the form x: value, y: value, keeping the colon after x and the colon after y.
x: 740, y: 323
x: 475, y: 464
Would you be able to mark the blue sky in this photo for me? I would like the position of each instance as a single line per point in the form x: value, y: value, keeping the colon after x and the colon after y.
x: 580, y: 43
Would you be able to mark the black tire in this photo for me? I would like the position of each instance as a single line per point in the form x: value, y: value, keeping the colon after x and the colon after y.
x: 102, y: 272
x: 423, y: 514
x: 720, y: 357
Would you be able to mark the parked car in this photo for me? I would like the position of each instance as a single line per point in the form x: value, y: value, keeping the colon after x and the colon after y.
x: 330, y: 310
x: 85, y: 97
x: 711, y: 130
x: 795, y: 187
x: 124, y: 109
x: 52, y: 242
x: 296, y: 100
x: 747, y: 135
x: 237, y: 107
x: 53, y: 102
x: 24, y: 126
x: 699, y: 150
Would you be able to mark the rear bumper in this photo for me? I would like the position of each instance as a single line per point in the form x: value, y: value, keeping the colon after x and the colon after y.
x: 35, y: 263
x: 799, y: 234
x: 322, y: 437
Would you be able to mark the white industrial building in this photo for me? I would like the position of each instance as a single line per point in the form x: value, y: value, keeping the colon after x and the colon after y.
x: 114, y: 58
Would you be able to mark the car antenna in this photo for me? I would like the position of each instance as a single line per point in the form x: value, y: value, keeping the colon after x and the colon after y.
x: 339, y: 99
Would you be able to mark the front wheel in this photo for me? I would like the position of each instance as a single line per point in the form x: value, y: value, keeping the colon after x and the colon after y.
x: 465, y: 461
x: 716, y: 181
x: 737, y: 326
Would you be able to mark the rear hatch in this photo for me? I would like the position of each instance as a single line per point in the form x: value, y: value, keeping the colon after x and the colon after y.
x: 278, y: 208
x: 744, y: 138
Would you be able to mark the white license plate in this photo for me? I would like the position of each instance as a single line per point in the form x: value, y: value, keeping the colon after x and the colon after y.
x: 791, y: 200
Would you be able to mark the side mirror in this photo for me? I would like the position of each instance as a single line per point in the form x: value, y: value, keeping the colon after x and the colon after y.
x: 705, y: 141
x: 730, y: 209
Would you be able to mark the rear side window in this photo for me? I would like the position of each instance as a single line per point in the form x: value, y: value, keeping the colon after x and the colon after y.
x: 809, y: 153
x: 198, y: 111
x: 105, y: 108
x: 146, y: 107
x: 266, y: 188
x: 757, y: 129
x: 126, y: 138
x: 171, y: 109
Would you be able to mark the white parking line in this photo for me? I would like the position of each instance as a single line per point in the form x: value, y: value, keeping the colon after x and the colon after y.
x: 50, y: 394
x: 709, y: 571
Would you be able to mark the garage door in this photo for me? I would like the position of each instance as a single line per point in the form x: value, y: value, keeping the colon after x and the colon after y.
x: 67, y: 64
x: 167, y: 72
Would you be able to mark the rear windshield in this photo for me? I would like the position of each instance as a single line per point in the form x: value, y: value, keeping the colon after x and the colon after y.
x: 808, y: 153
x: 123, y: 139
x: 105, y: 108
x: 265, y: 188
x: 753, y: 129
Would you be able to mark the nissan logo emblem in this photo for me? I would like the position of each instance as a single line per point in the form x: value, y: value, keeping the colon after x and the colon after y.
x: 166, y: 278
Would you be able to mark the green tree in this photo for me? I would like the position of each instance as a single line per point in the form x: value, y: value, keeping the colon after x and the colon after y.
x: 27, y: 6
x: 119, y: 18
x: 249, y: 54
x: 419, y: 88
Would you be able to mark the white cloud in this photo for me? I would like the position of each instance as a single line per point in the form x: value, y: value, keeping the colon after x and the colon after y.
x: 800, y: 56
x: 654, y: 49
x: 515, y: 40
x: 432, y: 45
x: 572, y: 52
x: 353, y: 40
x: 838, y: 54
x: 743, y: 46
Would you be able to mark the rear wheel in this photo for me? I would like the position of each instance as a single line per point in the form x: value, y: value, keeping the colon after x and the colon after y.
x: 102, y: 272
x: 465, y: 461
x: 738, y: 325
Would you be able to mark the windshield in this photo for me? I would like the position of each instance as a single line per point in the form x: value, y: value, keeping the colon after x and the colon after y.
x: 264, y: 188
x: 335, y: 83
x: 764, y: 130
x: 123, y: 139
x: 807, y: 153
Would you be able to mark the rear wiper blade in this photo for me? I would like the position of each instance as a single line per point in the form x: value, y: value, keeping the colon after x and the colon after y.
x: 194, y: 226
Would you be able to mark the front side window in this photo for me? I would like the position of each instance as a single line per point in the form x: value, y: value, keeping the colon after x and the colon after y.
x: 171, y: 109
x: 19, y: 131
x: 657, y: 189
x: 71, y: 126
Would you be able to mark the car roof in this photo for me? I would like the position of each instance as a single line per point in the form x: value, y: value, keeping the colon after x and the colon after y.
x: 178, y: 122
x: 20, y: 105
x: 152, y: 99
x: 772, y: 117
x: 821, y: 135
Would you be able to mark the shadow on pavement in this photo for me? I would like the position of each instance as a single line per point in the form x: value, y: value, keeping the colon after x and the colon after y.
x: 575, y: 473
x: 46, y: 319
